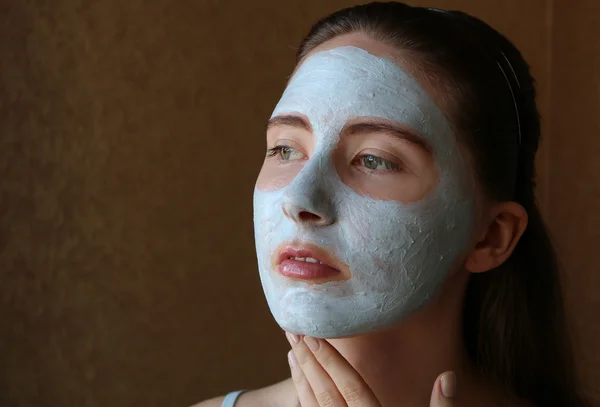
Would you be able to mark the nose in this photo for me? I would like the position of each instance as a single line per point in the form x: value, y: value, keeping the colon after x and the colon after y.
x: 305, y: 216
x: 309, y: 199
x: 310, y: 208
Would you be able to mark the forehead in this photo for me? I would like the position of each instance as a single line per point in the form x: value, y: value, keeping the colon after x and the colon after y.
x: 339, y: 84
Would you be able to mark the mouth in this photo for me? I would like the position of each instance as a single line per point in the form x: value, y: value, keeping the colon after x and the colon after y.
x: 309, y: 263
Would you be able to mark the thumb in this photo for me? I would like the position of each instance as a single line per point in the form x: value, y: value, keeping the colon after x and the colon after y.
x: 444, y: 390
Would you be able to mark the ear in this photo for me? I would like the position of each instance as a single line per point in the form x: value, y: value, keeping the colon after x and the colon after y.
x: 508, y: 222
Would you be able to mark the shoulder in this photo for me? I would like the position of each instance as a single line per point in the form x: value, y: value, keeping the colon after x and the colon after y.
x: 215, y: 402
x: 277, y: 395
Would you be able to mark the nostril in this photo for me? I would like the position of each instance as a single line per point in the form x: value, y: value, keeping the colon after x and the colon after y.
x: 309, y: 217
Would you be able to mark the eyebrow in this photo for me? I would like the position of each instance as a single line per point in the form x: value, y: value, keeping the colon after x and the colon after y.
x: 357, y: 128
x: 388, y: 128
x: 289, y: 120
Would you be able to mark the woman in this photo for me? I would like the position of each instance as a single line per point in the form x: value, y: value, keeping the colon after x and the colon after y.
x: 399, y: 242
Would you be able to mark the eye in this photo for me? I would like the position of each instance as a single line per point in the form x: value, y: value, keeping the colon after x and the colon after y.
x: 285, y: 153
x: 374, y: 163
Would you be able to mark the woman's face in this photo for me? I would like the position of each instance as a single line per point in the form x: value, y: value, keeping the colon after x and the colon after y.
x: 364, y: 203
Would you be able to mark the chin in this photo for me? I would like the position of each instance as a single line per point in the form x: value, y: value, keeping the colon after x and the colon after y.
x: 326, y: 327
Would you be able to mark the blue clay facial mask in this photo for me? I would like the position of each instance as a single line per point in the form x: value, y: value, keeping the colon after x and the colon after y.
x: 398, y: 254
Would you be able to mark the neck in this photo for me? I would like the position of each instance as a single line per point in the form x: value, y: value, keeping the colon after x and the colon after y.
x: 401, y: 364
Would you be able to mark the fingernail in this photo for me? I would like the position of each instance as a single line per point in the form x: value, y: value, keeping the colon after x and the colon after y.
x: 291, y: 359
x: 292, y: 338
x: 312, y: 343
x: 449, y: 384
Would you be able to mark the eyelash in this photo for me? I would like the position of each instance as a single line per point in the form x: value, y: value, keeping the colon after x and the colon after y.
x: 274, y: 151
x: 360, y: 160
x: 271, y: 152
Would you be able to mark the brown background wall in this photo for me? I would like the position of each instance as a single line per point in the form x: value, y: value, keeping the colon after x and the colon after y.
x: 130, y: 136
x: 573, y: 173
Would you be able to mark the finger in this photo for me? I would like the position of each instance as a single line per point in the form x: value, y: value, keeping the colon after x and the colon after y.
x: 350, y: 384
x: 444, y: 390
x: 323, y: 387
x: 305, y: 394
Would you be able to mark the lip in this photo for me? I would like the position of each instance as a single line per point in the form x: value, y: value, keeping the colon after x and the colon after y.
x: 328, y: 268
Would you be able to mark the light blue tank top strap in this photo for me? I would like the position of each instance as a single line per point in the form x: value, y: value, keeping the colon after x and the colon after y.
x: 231, y: 398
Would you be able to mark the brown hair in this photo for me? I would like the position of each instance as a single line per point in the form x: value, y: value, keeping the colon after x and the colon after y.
x: 513, y: 320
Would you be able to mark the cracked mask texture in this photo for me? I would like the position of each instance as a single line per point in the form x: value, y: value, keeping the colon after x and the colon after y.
x: 398, y: 254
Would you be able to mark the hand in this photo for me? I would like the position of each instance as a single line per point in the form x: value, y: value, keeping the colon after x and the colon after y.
x: 323, y: 378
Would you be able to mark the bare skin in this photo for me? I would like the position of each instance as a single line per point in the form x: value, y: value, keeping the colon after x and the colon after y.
x: 403, y: 365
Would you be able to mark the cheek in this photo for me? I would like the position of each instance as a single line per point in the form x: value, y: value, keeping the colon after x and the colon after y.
x: 274, y: 175
x: 404, y: 188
